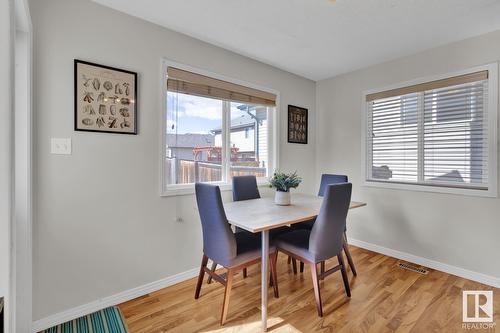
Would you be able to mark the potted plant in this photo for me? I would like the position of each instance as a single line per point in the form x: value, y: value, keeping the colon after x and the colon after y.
x: 283, y: 182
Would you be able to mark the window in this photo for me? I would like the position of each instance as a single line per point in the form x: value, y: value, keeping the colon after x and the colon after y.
x: 194, y: 153
x: 437, y: 135
x: 214, y: 130
x: 249, y: 140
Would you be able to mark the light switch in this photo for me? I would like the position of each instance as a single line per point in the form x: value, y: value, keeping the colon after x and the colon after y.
x: 60, y: 146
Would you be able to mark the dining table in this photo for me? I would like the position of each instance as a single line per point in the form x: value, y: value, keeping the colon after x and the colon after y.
x: 262, y: 215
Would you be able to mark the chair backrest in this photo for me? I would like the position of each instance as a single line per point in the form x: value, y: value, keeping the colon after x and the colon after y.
x: 328, y: 179
x: 219, y: 243
x: 327, y: 234
x: 245, y: 188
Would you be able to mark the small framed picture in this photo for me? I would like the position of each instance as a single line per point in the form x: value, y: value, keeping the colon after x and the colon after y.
x: 297, y: 124
x: 105, y: 99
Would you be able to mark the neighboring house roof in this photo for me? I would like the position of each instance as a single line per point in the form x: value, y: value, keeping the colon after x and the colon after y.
x: 190, y: 140
x: 242, y: 121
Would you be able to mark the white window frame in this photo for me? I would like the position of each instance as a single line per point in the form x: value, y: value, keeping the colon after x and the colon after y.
x: 225, y: 185
x: 492, y: 108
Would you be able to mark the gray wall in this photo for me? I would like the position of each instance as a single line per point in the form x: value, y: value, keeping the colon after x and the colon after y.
x: 457, y: 230
x: 100, y: 226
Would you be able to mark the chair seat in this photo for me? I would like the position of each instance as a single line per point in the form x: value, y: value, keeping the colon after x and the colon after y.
x: 248, y: 248
x: 275, y: 233
x: 238, y: 229
x: 307, y: 225
x: 296, y: 242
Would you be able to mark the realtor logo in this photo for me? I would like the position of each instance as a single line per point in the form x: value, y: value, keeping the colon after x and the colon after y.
x: 477, y: 306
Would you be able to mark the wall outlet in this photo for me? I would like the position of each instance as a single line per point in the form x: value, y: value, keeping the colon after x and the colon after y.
x: 60, y: 146
x: 179, y: 220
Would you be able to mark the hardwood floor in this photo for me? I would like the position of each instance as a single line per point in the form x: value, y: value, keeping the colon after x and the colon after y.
x: 385, y: 298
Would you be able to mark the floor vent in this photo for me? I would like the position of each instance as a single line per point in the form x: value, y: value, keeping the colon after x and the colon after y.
x: 413, y: 268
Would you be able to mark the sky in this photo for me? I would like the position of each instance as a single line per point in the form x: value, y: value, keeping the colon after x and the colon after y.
x: 194, y: 114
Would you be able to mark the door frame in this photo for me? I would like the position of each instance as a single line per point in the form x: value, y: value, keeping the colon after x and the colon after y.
x: 21, y: 288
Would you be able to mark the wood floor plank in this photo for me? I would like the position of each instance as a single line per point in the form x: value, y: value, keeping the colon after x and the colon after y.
x: 385, y: 298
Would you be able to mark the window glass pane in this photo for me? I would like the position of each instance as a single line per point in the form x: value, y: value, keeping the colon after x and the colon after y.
x: 249, y: 140
x: 455, y: 136
x: 394, y: 138
x: 194, y: 150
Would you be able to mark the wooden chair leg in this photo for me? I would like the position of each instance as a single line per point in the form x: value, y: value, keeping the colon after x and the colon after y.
x: 201, y: 275
x: 322, y: 269
x: 317, y: 294
x: 227, y: 294
x: 344, y: 275
x: 289, y: 261
x: 294, y: 265
x: 301, y: 267
x: 348, y: 255
x: 245, y: 274
x: 214, y: 267
x: 274, y: 274
x: 271, y: 273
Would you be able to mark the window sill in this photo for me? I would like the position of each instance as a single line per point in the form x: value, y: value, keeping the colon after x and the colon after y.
x: 489, y: 193
x: 188, y: 189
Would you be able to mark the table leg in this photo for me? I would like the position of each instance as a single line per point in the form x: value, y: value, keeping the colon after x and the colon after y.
x: 264, y: 276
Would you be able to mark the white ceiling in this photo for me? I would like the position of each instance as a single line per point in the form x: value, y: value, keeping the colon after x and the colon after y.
x: 318, y: 39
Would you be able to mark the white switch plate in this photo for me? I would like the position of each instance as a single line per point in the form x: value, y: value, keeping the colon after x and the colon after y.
x: 60, y: 146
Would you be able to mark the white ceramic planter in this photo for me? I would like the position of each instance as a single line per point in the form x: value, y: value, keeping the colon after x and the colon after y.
x: 282, y: 198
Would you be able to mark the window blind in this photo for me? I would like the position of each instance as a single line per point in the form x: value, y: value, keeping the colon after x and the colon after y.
x: 393, y: 141
x: 455, y: 134
x: 436, y: 136
x: 436, y: 84
x: 186, y: 82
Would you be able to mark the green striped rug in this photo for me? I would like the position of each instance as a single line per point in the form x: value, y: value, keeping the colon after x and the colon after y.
x: 109, y: 320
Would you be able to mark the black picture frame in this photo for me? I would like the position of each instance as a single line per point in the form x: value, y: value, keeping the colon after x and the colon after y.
x: 297, y: 124
x: 77, y: 126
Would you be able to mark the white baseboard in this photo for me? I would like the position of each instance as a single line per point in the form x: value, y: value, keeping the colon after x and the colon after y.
x: 454, y: 270
x: 85, y: 309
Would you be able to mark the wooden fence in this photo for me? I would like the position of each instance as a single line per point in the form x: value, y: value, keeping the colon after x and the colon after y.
x: 188, y: 171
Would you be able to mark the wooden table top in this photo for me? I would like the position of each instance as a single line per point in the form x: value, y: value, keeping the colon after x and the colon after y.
x: 263, y: 214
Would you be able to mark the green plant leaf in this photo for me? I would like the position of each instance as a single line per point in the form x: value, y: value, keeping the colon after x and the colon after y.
x: 283, y: 182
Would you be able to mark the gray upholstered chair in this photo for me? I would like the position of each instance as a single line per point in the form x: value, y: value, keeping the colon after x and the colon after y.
x: 324, y: 241
x: 233, y: 251
x: 244, y: 188
x: 328, y: 179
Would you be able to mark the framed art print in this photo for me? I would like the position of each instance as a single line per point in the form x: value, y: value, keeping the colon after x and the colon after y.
x: 297, y: 124
x: 105, y: 99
